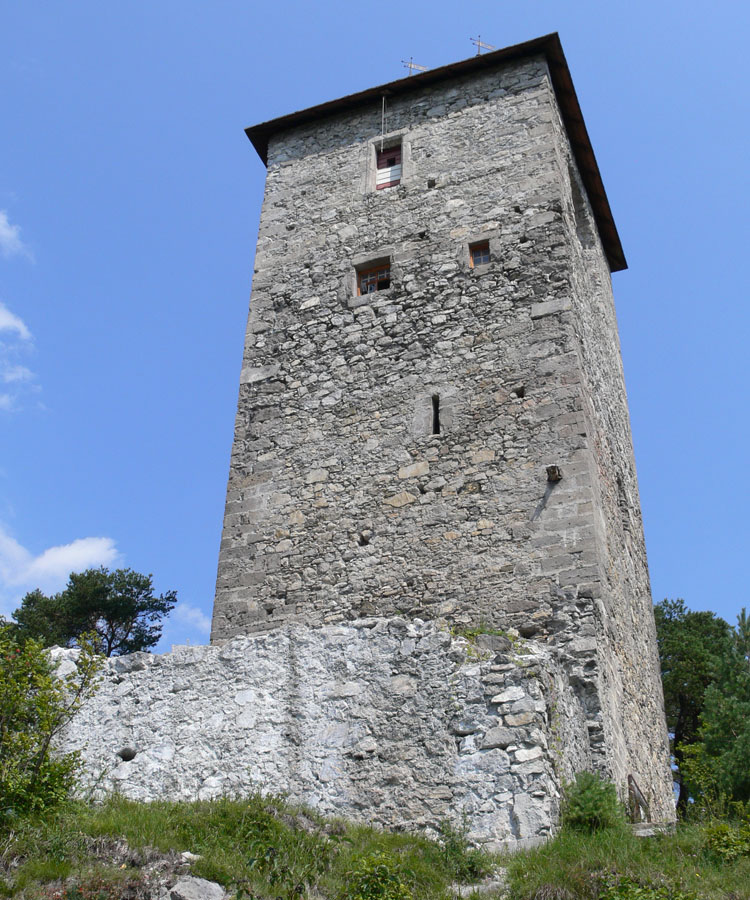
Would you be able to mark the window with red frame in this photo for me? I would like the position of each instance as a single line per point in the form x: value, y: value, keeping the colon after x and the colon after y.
x: 388, y: 167
x: 375, y: 279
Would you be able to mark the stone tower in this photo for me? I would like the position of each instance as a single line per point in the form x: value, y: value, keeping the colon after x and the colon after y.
x: 432, y: 419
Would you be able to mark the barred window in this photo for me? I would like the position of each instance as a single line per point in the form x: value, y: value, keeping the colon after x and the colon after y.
x: 479, y: 253
x: 374, y: 279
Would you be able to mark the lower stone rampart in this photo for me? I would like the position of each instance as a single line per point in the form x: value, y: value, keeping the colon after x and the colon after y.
x: 395, y: 723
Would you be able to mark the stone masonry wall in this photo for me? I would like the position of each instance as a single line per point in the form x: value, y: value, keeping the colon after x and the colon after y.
x: 389, y: 722
x: 628, y: 661
x: 341, y: 502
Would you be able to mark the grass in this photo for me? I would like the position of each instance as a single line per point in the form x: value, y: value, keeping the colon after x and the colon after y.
x: 256, y: 847
x: 578, y: 865
x: 261, y: 849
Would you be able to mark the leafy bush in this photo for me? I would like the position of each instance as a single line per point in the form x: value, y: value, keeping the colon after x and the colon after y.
x: 729, y: 842
x: 34, y: 707
x: 378, y: 877
x: 590, y: 804
x: 700, y: 778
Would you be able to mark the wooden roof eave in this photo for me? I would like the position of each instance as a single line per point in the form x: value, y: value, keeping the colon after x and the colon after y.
x: 550, y: 48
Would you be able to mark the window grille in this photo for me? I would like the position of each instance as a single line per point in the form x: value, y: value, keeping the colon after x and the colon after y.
x: 375, y: 279
x: 479, y: 253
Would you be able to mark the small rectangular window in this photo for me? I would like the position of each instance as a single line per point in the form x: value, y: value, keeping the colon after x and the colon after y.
x: 388, y: 167
x: 479, y: 254
x: 375, y: 279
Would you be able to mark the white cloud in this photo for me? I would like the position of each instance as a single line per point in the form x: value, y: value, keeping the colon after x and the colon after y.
x: 11, y: 322
x: 13, y: 330
x: 193, y: 617
x: 17, y: 373
x: 53, y: 566
x: 187, y: 624
x: 17, y: 343
x: 21, y: 571
x: 10, y: 238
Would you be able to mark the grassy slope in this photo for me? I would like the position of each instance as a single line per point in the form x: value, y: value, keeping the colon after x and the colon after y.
x: 579, y: 863
x: 260, y: 848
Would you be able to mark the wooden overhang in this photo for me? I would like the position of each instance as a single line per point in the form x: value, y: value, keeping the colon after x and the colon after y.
x: 550, y: 48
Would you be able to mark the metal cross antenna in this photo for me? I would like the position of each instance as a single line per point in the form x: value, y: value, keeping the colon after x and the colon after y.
x: 411, y: 65
x: 481, y: 45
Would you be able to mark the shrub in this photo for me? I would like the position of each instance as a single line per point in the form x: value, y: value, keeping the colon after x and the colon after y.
x: 729, y: 842
x: 590, y: 804
x: 378, y: 877
x: 463, y: 862
x: 700, y: 778
x: 34, y: 707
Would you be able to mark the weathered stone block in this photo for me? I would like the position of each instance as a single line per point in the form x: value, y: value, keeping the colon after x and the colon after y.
x: 191, y: 888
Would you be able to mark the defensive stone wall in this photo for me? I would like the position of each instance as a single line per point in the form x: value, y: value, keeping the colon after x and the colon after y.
x: 391, y: 722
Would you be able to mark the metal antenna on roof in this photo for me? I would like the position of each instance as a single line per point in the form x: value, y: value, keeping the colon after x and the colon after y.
x: 481, y: 45
x: 412, y: 66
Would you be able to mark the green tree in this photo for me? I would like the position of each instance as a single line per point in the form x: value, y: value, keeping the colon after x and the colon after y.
x: 34, y: 706
x: 692, y: 647
x: 118, y: 608
x: 724, y: 746
x: 39, y: 617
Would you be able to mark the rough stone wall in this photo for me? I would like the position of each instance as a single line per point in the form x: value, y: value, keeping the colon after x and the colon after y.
x: 633, y: 718
x: 341, y: 503
x: 390, y: 722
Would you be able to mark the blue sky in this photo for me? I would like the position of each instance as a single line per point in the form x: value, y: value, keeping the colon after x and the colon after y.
x: 129, y: 203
